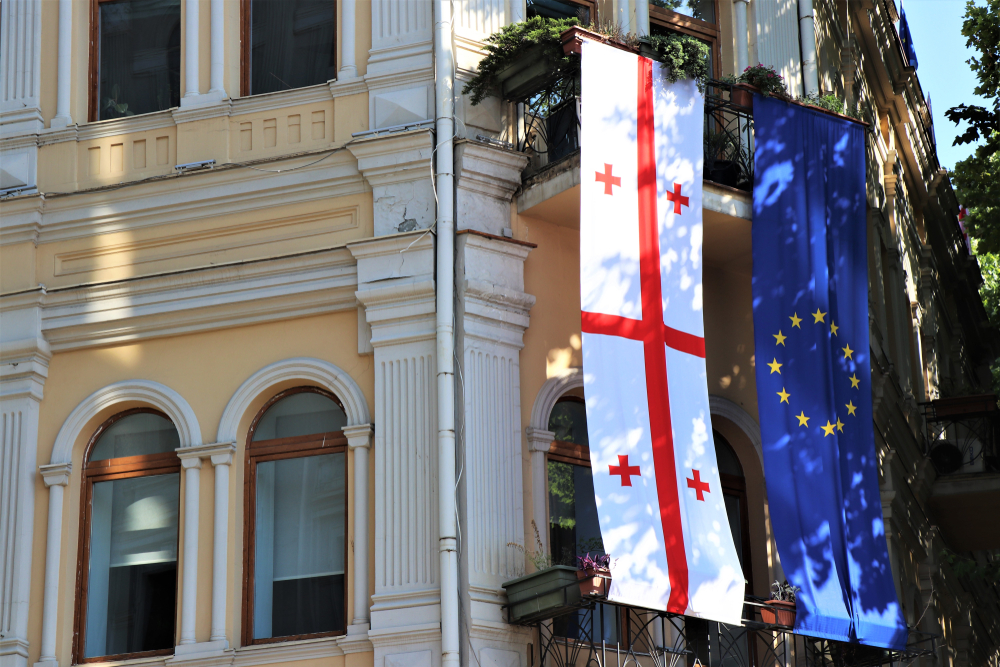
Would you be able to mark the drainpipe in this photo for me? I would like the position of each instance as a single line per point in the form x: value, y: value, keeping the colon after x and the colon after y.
x: 807, y: 37
x: 444, y: 92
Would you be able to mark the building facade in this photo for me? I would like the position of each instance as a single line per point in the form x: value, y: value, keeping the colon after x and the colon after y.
x: 291, y: 365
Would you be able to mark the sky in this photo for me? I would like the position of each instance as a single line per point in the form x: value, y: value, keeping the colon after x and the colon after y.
x: 936, y: 28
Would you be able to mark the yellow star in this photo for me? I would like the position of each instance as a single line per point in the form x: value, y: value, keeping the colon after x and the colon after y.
x: 833, y: 328
x: 803, y: 420
x: 840, y: 425
x: 780, y: 338
x: 851, y: 408
x: 818, y: 316
x: 847, y: 351
x: 855, y: 381
x: 828, y: 429
x: 795, y: 320
x: 784, y: 395
x: 775, y: 366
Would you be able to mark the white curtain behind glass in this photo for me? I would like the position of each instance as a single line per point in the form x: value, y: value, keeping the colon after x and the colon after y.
x: 300, y: 526
x: 133, y: 522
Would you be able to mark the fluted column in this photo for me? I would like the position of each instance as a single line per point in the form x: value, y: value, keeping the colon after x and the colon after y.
x: 359, y: 441
x: 348, y: 67
x: 55, y: 477
x: 190, y: 39
x: 539, y: 442
x: 191, y: 462
x: 65, y: 61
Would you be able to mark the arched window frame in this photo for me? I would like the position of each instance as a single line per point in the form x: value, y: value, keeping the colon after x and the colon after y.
x: 102, y: 471
x: 271, y: 450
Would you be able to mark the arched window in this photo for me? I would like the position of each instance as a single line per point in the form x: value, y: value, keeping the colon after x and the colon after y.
x: 734, y: 492
x: 128, y: 571
x: 296, y: 523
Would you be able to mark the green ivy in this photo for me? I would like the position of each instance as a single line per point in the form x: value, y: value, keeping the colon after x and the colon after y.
x: 504, y: 47
x: 684, y: 56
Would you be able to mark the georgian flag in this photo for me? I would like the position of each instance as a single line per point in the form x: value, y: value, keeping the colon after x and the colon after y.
x: 656, y: 480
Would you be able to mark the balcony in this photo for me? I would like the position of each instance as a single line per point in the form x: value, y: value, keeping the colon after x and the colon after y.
x: 594, y: 632
x: 963, y: 444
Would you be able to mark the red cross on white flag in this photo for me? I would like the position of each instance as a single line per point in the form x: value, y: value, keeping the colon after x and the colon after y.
x: 643, y: 340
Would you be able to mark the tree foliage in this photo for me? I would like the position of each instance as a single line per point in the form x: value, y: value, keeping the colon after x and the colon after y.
x: 977, y: 178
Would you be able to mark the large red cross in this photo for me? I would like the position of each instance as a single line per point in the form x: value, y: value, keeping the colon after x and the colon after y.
x: 699, y: 486
x: 656, y: 337
x: 607, y: 178
x: 625, y: 470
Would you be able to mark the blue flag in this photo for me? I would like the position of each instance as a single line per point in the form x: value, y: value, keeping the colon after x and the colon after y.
x: 810, y: 316
x: 905, y: 38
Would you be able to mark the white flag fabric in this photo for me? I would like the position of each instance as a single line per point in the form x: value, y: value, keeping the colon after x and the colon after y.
x: 656, y: 479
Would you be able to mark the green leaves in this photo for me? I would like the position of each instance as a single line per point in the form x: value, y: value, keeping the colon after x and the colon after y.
x: 684, y: 56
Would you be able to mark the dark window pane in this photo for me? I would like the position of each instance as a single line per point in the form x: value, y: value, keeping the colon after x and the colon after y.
x: 140, y: 57
x: 302, y: 413
x: 138, y: 434
x: 729, y: 463
x: 558, y: 9
x: 292, y: 44
x: 699, y: 9
x: 300, y: 546
x: 133, y: 565
x: 569, y: 421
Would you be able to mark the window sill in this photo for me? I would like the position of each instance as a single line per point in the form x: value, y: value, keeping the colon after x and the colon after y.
x: 147, y: 660
x: 290, y: 651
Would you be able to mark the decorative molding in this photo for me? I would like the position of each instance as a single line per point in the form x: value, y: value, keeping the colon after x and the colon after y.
x: 551, y: 391
x: 359, y: 436
x: 102, y: 129
x: 306, y: 649
x: 144, y: 391
x: 55, y: 474
x: 209, y: 106
x: 539, y: 440
x: 344, y: 87
x: 323, y: 373
x: 221, y: 450
x: 199, y: 300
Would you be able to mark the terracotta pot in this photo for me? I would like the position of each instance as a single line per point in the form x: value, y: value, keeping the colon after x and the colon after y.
x: 783, y: 613
x: 593, y: 582
x: 742, y: 95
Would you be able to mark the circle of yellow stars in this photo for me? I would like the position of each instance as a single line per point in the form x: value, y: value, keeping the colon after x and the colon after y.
x: 819, y: 317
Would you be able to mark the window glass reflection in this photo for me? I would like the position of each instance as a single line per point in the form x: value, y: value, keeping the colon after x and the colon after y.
x: 698, y: 9
x: 292, y: 44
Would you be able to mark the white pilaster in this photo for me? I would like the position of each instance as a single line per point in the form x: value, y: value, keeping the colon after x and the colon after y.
x: 20, y: 67
x: 348, y: 67
x: 396, y: 286
x: 220, y: 543
x: 539, y: 442
x: 642, y: 17
x: 359, y: 439
x: 190, y: 39
x: 55, y: 477
x: 398, y: 168
x: 399, y: 76
x: 486, y: 180
x: 191, y: 463
x: 218, y: 48
x: 65, y: 61
x: 742, y: 36
x: 24, y: 363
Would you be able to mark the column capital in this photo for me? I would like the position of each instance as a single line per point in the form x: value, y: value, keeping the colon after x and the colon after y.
x: 359, y: 435
x: 221, y: 453
x: 539, y: 440
x: 55, y: 474
x: 188, y: 460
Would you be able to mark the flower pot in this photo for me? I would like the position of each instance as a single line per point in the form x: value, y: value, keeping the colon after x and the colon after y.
x: 526, y: 75
x: 543, y: 594
x: 742, y: 95
x: 593, y: 582
x: 780, y: 613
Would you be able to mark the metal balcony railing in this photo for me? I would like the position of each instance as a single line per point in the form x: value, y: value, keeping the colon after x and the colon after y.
x: 963, y: 434
x: 602, y: 634
x: 549, y: 130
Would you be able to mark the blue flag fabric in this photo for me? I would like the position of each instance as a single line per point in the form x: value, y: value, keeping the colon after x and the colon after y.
x: 906, y: 39
x: 810, y: 315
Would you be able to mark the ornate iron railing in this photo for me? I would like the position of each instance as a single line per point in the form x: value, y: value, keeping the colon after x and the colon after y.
x: 549, y: 130
x: 963, y: 434
x: 603, y: 634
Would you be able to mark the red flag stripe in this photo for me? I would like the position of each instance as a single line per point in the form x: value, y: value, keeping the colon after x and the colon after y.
x: 654, y: 351
x: 624, y: 327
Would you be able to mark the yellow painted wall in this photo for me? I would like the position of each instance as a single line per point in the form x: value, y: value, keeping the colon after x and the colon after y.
x: 206, y: 369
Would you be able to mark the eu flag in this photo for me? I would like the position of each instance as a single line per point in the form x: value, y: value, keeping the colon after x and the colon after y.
x: 810, y: 314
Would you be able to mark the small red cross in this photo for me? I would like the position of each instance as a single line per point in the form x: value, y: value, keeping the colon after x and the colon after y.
x: 677, y: 199
x: 625, y: 470
x: 699, y: 486
x: 607, y: 178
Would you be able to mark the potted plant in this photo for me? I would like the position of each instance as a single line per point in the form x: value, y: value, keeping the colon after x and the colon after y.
x: 594, y: 575
x: 719, y: 167
x: 780, y: 609
x: 547, y: 592
x: 758, y: 78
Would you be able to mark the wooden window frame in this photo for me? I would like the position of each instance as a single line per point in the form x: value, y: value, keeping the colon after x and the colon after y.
x: 104, y: 471
x: 245, y: 49
x: 277, y: 449
x: 688, y: 25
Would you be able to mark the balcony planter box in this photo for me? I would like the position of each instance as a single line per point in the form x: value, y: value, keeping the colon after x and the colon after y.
x: 526, y: 75
x: 543, y: 594
x: 593, y: 583
x: 781, y: 613
x: 742, y: 95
